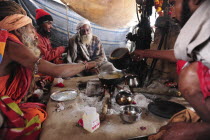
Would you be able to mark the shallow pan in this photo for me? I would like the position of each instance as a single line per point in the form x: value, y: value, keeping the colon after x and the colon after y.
x: 111, y: 78
x: 165, y: 109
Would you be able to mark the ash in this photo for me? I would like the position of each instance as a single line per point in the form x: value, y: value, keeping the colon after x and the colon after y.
x: 95, y: 101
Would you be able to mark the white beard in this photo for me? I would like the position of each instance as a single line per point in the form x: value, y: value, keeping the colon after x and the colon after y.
x: 31, y: 44
x: 86, y: 39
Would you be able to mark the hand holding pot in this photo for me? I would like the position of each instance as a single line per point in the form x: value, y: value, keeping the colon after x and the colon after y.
x: 137, y: 55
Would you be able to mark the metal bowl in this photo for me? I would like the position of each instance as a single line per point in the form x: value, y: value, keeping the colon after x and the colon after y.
x: 130, y: 113
x: 124, y: 98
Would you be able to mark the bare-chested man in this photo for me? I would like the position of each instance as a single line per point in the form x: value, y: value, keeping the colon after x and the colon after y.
x: 20, y: 59
x: 192, y: 46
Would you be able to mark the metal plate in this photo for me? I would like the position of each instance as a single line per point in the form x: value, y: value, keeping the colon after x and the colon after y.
x: 64, y: 95
x: 165, y: 109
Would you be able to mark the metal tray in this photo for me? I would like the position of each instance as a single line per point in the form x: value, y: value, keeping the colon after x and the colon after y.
x: 64, y: 95
x: 165, y: 109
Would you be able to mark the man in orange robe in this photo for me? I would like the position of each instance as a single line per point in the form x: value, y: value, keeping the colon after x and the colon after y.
x: 19, y: 61
x: 44, y: 21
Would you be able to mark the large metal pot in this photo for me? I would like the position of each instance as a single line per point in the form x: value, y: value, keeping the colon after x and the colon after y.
x: 111, y: 78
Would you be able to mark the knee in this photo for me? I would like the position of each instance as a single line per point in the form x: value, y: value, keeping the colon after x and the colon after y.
x: 188, y: 81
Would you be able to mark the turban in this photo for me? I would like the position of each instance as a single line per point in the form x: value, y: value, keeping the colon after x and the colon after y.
x: 11, y: 23
x: 81, y: 23
x: 14, y: 22
x: 42, y: 16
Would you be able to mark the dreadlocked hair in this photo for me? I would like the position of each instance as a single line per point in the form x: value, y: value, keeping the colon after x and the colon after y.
x: 8, y: 8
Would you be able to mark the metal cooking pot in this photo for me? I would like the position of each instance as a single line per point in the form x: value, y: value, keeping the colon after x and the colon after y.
x: 120, y: 58
x: 130, y: 113
x: 111, y: 78
x: 124, y: 97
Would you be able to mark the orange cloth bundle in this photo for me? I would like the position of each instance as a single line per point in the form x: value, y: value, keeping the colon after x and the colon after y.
x: 23, y: 121
x: 32, y: 109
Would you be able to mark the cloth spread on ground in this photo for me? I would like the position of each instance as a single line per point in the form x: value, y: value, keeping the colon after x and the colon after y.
x: 203, y: 73
x: 10, y: 23
x: 183, y: 116
x: 48, y: 53
x: 194, y: 45
x: 20, y: 125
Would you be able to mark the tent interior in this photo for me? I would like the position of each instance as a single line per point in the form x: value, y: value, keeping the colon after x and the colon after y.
x: 122, y: 26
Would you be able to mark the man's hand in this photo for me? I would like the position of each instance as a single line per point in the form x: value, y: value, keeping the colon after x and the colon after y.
x: 90, y: 65
x: 137, y: 55
x: 94, y: 70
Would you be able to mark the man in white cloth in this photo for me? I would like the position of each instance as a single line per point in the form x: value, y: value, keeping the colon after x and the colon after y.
x: 191, y: 52
x: 84, y: 47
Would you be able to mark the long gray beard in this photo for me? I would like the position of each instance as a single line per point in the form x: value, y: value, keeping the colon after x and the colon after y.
x: 86, y: 39
x: 31, y: 44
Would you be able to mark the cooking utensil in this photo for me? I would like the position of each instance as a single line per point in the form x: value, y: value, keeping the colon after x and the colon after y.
x: 111, y: 78
x: 165, y: 109
x: 120, y: 58
x: 64, y: 95
x: 124, y: 97
x: 132, y: 81
x: 130, y: 113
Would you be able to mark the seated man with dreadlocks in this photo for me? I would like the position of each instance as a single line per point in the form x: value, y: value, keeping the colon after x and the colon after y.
x: 44, y: 21
x: 19, y: 61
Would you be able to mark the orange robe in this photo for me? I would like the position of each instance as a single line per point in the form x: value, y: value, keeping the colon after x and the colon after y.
x: 18, y: 88
x: 48, y: 53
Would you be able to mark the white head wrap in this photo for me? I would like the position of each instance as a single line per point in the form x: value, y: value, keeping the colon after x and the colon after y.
x: 81, y: 23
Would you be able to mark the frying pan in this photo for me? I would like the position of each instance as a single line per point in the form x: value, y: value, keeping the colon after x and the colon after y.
x: 111, y: 78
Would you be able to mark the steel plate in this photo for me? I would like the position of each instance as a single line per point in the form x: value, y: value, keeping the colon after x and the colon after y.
x: 165, y: 109
x: 64, y: 95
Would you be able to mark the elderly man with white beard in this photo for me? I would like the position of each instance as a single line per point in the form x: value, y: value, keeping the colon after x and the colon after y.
x: 85, y: 47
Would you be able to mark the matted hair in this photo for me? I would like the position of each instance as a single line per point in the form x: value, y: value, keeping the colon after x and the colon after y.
x: 8, y: 8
